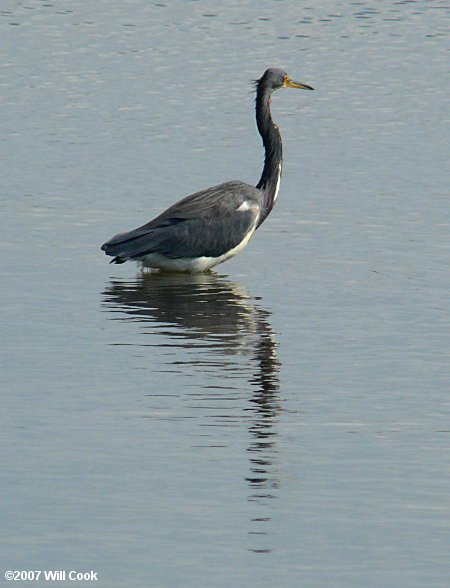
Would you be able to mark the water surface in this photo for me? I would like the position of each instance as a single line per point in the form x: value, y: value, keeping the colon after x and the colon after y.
x: 284, y: 420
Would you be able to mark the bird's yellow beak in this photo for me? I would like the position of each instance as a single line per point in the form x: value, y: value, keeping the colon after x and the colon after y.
x: 288, y: 83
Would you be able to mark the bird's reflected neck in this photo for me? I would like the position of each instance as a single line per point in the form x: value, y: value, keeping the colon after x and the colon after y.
x: 269, y: 182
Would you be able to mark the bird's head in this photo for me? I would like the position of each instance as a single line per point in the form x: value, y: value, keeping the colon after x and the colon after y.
x: 274, y: 78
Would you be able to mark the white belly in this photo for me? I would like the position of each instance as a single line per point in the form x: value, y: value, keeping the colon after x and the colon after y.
x: 193, y: 264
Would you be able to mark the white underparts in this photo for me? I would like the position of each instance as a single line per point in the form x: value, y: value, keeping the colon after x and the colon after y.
x: 196, y: 264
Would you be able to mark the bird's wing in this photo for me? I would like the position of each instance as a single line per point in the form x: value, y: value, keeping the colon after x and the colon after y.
x: 207, y: 223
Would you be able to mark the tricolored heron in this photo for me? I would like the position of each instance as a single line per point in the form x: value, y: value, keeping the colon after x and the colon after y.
x: 210, y: 226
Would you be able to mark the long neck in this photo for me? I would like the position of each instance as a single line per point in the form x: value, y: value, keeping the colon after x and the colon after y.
x: 269, y: 182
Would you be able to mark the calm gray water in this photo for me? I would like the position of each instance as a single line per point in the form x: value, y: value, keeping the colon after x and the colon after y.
x: 283, y: 421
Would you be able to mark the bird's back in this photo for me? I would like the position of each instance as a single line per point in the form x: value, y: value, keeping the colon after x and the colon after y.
x: 208, y: 224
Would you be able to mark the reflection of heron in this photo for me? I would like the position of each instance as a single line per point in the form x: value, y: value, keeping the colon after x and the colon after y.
x: 228, y: 338
x: 210, y: 226
x: 201, y: 309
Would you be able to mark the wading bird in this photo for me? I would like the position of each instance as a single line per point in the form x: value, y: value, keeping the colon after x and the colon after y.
x: 210, y: 226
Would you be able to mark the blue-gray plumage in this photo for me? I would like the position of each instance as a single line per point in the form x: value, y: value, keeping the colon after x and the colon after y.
x: 210, y: 226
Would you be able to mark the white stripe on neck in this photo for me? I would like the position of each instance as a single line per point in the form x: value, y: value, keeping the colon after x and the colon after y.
x: 277, y: 188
